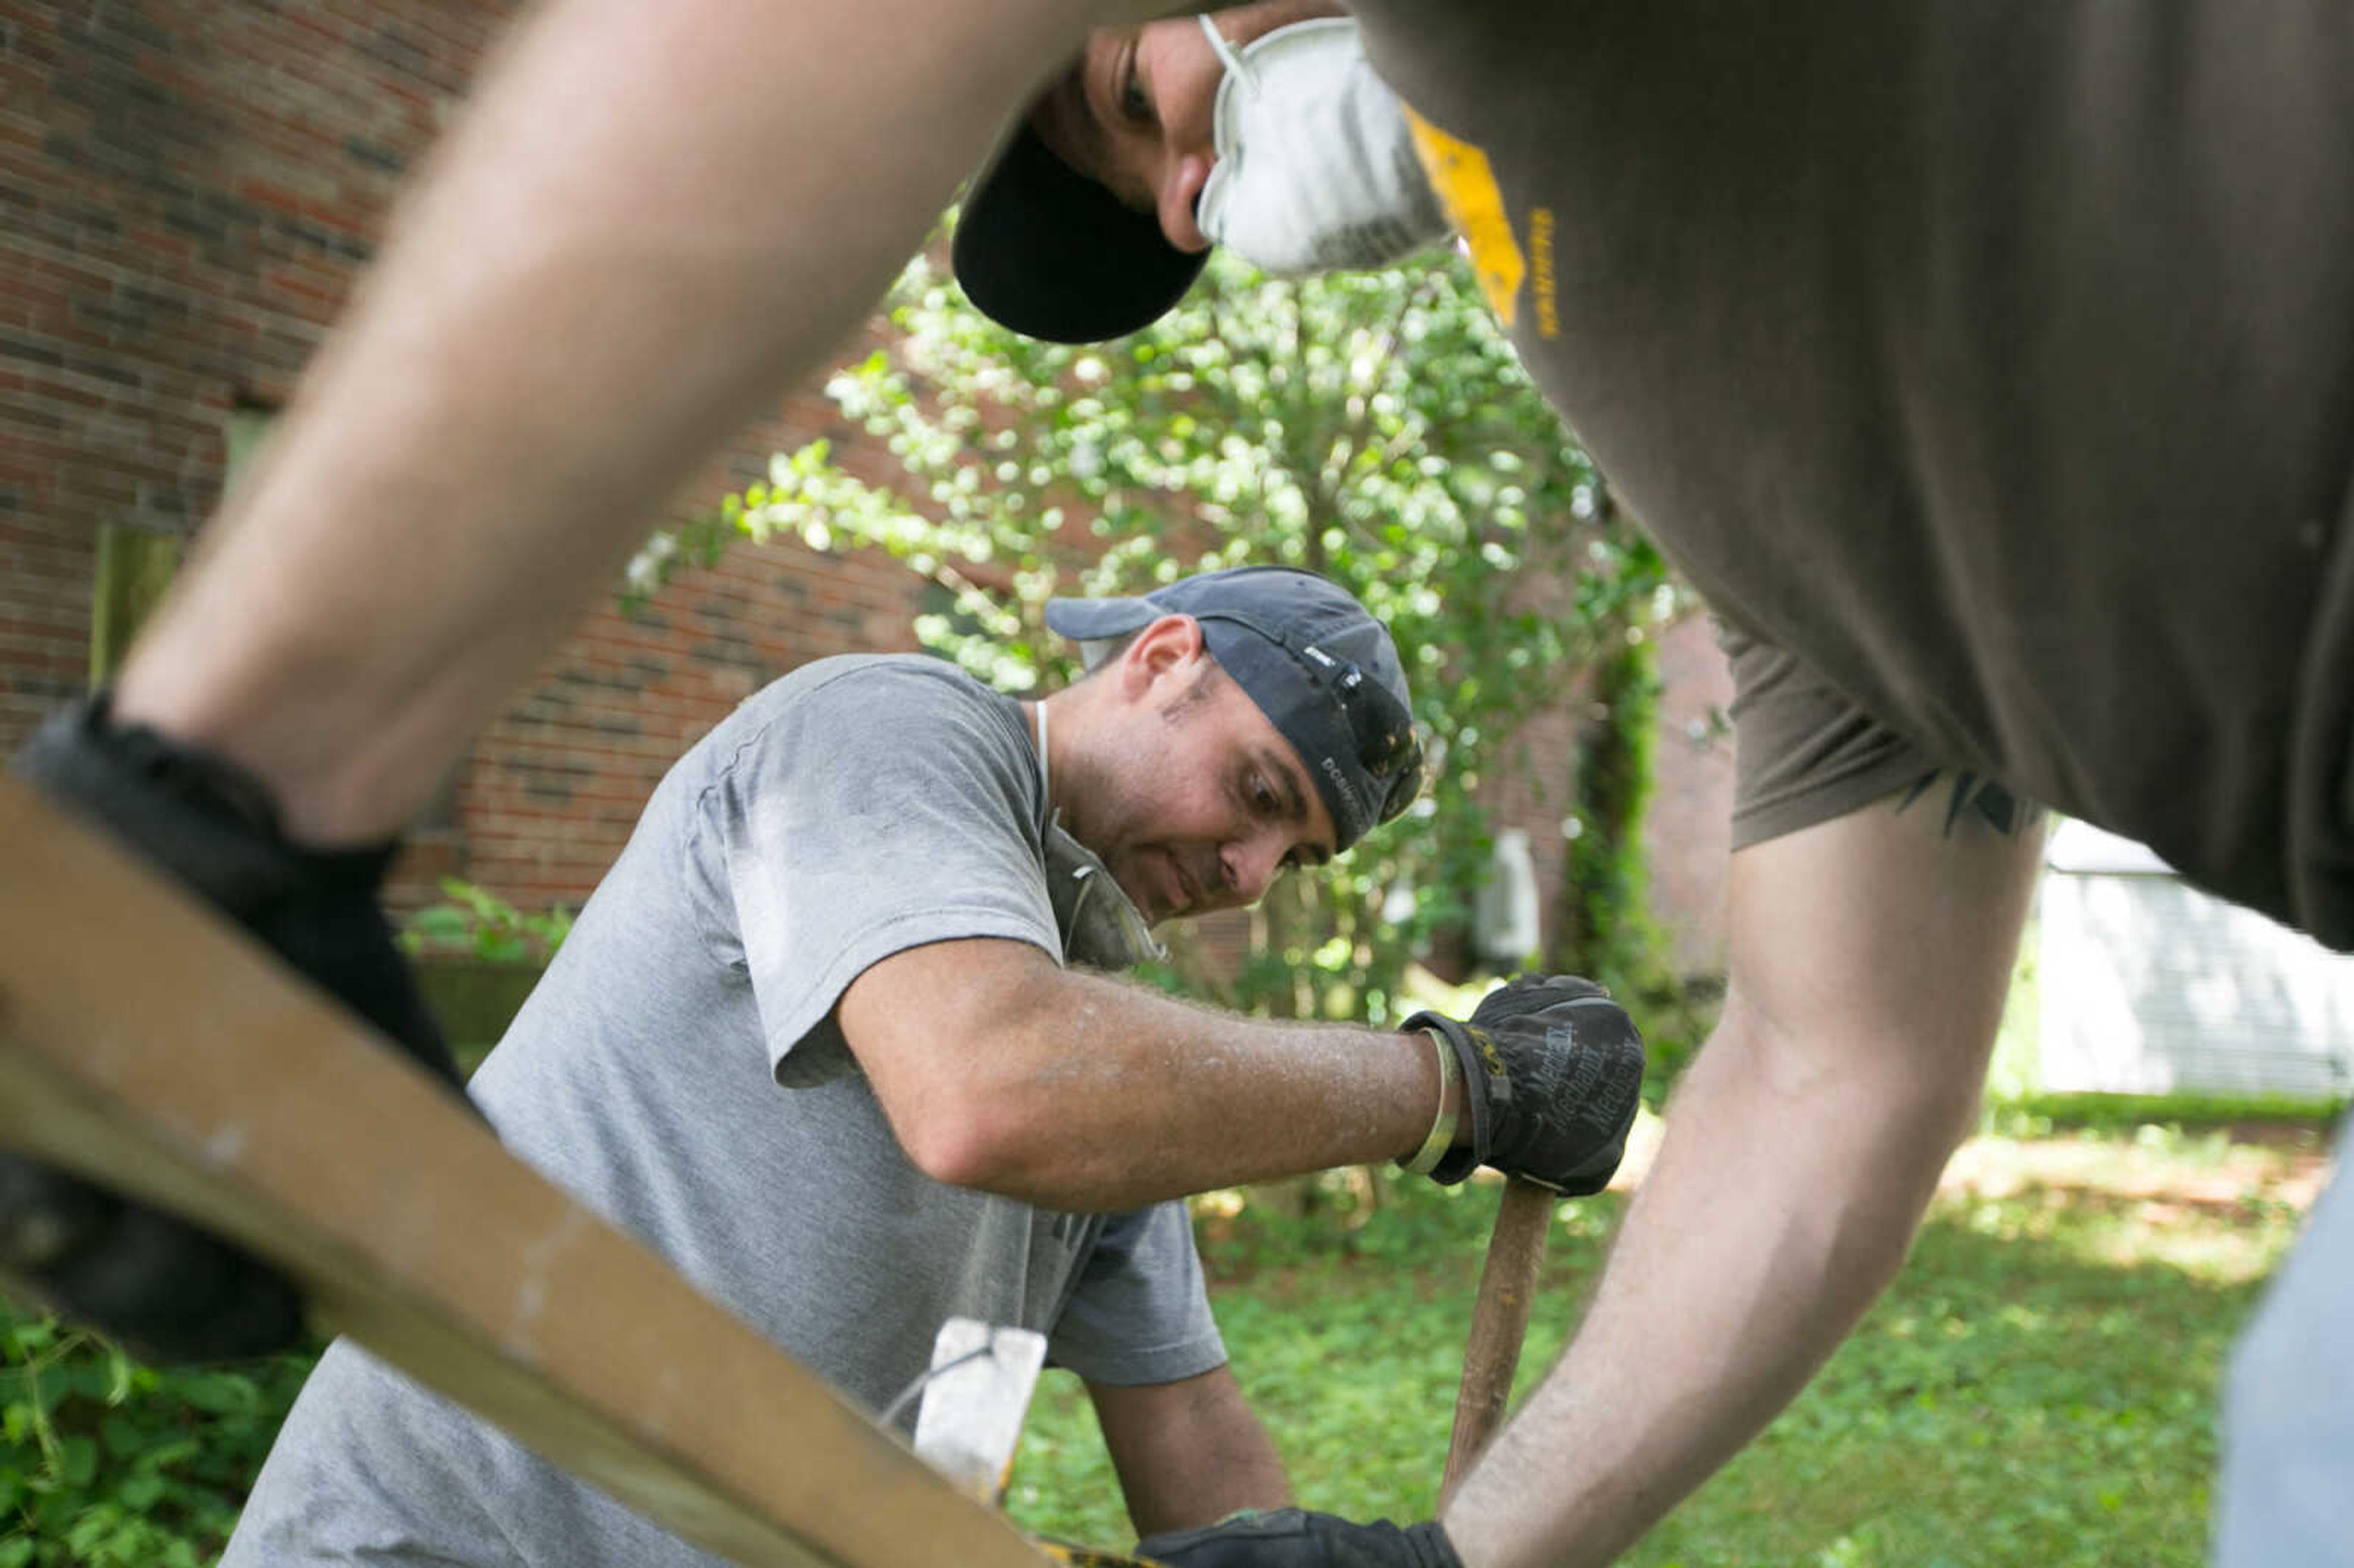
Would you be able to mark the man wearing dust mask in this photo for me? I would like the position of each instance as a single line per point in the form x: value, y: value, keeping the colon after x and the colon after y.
x: 1261, y: 128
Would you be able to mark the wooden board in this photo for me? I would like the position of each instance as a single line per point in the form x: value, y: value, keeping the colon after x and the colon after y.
x: 145, y: 1042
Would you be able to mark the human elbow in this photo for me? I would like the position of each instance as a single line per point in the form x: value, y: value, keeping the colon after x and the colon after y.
x: 986, y: 1141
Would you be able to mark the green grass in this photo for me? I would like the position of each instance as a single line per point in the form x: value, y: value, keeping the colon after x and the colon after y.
x: 2037, y: 1388
x: 2033, y: 1115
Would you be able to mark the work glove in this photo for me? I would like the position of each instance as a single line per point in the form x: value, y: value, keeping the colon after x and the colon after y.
x: 1295, y: 1538
x: 169, y: 1291
x: 1552, y: 1072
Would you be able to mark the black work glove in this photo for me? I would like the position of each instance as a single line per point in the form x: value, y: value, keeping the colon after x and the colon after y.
x: 1553, y: 1070
x: 1295, y: 1538
x: 171, y: 1292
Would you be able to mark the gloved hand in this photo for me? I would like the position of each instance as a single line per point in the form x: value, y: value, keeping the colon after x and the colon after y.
x: 169, y: 1291
x: 1295, y: 1538
x: 1553, y: 1070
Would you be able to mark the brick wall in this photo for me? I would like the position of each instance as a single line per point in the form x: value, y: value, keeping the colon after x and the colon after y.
x: 187, y: 191
x: 190, y: 191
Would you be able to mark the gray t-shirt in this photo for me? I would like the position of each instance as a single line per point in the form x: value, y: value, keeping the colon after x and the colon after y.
x: 679, y: 1070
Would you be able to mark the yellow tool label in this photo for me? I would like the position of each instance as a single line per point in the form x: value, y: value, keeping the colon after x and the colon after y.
x: 1466, y: 189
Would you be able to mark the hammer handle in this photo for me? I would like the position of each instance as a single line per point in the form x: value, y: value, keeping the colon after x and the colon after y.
x: 1499, y: 1320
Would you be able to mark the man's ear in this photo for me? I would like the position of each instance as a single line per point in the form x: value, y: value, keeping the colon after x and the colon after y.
x: 1169, y: 647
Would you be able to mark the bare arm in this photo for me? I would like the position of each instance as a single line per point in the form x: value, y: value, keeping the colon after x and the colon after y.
x: 1001, y: 1070
x: 1188, y: 1453
x: 655, y: 214
x: 1869, y: 957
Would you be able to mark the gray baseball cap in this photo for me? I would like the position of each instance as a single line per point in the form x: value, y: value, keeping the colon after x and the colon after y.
x: 1321, y: 669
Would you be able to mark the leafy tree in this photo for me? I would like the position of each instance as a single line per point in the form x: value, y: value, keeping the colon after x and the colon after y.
x: 1374, y: 427
x: 1606, y: 928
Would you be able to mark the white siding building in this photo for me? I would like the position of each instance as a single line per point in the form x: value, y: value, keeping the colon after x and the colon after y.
x: 2150, y: 986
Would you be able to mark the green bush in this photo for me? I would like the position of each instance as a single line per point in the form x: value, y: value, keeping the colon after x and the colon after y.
x: 108, y: 1463
x: 479, y: 924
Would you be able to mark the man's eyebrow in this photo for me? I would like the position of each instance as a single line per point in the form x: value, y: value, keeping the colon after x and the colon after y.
x: 1294, y: 804
x: 1073, y: 124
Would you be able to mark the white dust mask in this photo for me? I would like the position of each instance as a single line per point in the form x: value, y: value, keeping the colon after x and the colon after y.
x: 1316, y: 167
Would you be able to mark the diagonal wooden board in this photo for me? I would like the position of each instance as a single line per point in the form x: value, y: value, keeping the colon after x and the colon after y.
x: 144, y: 1041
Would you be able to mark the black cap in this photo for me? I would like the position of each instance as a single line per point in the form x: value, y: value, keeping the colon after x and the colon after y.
x: 1315, y: 660
x: 1048, y: 252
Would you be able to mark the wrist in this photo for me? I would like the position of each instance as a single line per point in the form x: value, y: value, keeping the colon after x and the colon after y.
x: 1435, y: 1144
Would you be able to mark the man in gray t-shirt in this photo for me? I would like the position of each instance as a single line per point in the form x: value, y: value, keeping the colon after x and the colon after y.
x: 740, y: 1057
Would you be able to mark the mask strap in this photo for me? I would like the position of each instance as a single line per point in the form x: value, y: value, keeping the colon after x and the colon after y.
x: 1227, y: 55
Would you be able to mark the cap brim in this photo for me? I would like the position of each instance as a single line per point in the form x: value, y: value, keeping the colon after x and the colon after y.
x: 1049, y: 253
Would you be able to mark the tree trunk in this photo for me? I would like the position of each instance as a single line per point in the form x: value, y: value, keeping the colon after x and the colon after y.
x: 1604, y: 892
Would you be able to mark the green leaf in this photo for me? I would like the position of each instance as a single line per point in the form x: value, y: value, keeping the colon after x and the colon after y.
x: 218, y: 1393
x: 122, y: 1436
x: 77, y: 1462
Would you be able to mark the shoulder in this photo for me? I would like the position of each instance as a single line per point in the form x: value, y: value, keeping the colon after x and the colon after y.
x: 897, y: 682
x: 863, y: 728
x: 875, y: 701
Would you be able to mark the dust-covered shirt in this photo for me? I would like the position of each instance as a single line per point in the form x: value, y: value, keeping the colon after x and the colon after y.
x: 680, y: 1071
x: 1988, y: 364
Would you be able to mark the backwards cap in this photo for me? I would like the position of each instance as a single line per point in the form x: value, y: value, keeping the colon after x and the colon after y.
x: 1321, y: 669
x: 1045, y: 251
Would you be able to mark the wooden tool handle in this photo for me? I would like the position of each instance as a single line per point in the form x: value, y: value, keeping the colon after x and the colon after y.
x: 1499, y: 1320
x: 148, y: 1046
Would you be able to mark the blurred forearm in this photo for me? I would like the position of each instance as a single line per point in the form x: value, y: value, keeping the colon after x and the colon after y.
x: 652, y: 216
